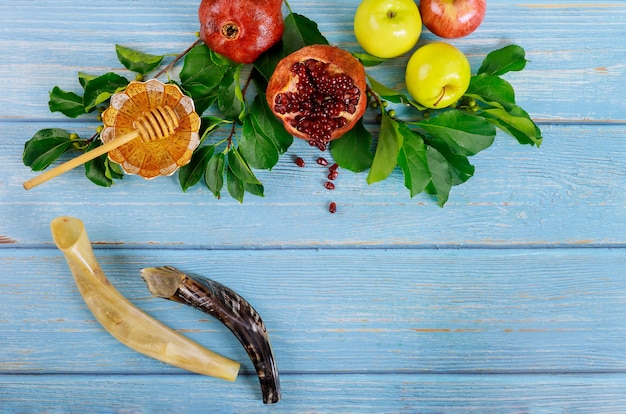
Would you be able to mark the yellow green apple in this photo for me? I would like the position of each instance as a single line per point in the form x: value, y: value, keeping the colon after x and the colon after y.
x: 437, y: 75
x: 387, y: 28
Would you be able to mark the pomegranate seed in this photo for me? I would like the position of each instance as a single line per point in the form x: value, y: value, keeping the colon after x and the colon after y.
x: 299, y: 162
x: 333, y: 167
x: 322, y: 161
x: 333, y: 175
x: 321, y: 98
x: 332, y: 207
x: 329, y: 185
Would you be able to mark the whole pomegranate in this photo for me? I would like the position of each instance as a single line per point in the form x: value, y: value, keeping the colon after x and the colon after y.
x: 318, y: 92
x: 241, y: 29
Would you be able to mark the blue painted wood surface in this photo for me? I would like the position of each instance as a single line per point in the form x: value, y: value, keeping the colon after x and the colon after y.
x: 512, y: 298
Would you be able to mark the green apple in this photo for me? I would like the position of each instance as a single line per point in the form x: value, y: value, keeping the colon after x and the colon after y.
x: 387, y: 28
x: 437, y: 75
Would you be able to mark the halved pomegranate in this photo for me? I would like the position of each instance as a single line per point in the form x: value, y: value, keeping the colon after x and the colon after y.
x: 241, y: 30
x: 318, y: 92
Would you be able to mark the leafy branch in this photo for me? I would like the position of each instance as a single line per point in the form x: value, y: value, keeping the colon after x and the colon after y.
x: 431, y: 148
x: 256, y: 138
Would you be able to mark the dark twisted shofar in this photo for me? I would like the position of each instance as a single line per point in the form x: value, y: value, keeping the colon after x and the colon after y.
x: 229, y: 308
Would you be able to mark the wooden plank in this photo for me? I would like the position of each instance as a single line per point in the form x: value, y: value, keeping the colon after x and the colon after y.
x: 568, y: 192
x: 337, y: 310
x: 320, y: 393
x: 510, y: 299
x: 570, y: 76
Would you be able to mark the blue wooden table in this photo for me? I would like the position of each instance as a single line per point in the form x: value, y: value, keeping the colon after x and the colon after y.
x: 511, y: 298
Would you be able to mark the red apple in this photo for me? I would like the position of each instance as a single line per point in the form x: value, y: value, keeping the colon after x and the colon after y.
x: 452, y: 18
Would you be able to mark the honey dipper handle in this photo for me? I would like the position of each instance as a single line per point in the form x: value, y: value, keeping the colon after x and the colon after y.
x: 81, y: 159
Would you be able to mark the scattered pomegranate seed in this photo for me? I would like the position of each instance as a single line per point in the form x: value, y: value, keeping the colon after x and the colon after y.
x: 333, y: 175
x: 299, y: 162
x: 322, y: 161
x: 333, y: 167
x: 332, y: 208
x: 329, y: 185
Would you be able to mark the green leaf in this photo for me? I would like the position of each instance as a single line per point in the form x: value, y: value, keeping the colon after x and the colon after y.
x: 254, y: 189
x: 413, y: 162
x: 200, y: 68
x: 190, y: 174
x: 491, y: 88
x: 201, y: 74
x: 352, y: 150
x: 387, y: 149
x: 96, y: 169
x: 113, y: 170
x: 209, y: 124
x: 509, y: 58
x: 214, y: 174
x: 256, y: 146
x: 300, y: 31
x: 389, y: 94
x: 136, y: 61
x: 202, y: 103
x: 229, y: 95
x: 459, y: 166
x: 368, y: 60
x: 511, y: 119
x: 45, y: 147
x: 68, y: 103
x: 100, y: 89
x: 200, y: 64
x: 234, y: 185
x: 265, y: 122
x: 441, y: 178
x: 465, y: 134
x: 240, y: 167
x: 263, y: 136
x: 515, y: 122
x: 220, y: 60
x: 84, y: 78
x: 266, y: 64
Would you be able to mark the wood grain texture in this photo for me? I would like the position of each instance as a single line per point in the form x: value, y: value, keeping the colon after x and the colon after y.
x: 568, y: 192
x: 343, y: 393
x: 510, y: 299
x: 573, y: 74
x: 396, y: 310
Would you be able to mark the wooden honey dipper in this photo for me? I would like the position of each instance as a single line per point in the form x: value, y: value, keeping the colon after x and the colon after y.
x: 156, y: 124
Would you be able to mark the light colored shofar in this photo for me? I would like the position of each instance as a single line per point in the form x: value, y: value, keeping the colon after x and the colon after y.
x: 125, y: 321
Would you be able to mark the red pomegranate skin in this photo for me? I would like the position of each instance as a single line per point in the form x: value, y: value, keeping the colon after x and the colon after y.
x: 241, y: 30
